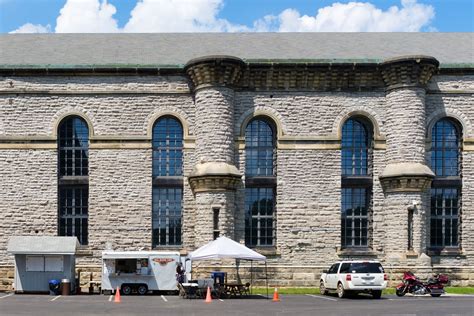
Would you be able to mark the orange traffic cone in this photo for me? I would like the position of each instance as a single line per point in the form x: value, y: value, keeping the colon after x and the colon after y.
x: 276, y: 298
x: 117, y: 296
x: 208, y: 295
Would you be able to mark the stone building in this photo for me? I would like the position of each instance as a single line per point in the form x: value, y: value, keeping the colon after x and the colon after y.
x: 310, y: 148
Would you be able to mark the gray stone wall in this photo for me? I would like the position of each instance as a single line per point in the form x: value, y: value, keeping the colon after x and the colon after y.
x: 28, y: 195
x: 308, y: 178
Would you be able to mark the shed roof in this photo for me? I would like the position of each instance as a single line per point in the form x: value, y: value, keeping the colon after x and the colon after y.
x: 175, y: 49
x: 58, y: 245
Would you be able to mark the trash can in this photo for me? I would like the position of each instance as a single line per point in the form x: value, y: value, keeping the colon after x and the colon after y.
x: 65, y: 287
x: 54, y: 287
x: 219, y: 277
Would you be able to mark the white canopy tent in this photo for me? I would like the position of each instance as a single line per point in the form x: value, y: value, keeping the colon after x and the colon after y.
x: 226, y: 248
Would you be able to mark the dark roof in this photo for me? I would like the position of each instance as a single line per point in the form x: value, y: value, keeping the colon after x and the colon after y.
x: 175, y: 49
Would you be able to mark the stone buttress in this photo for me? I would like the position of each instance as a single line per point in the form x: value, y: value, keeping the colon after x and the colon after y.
x: 406, y: 178
x: 215, y: 177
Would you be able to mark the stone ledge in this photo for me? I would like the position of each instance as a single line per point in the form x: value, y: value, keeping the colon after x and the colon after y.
x: 365, y: 252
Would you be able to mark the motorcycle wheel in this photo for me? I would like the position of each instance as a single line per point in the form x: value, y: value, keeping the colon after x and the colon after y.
x: 436, y: 295
x: 400, y: 292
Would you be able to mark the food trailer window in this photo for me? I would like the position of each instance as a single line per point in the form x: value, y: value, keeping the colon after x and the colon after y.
x: 139, y: 266
x: 126, y: 266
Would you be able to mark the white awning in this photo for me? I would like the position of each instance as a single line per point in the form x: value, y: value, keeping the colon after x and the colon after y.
x: 225, y: 248
x: 42, y: 245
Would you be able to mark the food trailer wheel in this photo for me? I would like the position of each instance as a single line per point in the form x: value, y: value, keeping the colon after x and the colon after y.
x: 126, y: 289
x: 142, y: 289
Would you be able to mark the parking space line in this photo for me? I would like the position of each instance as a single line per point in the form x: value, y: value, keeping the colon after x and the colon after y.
x: 221, y: 300
x: 6, y: 295
x: 164, y: 298
x: 323, y: 297
x: 110, y: 298
x: 55, y: 298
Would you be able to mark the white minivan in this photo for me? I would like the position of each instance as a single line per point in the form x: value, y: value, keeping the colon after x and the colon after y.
x: 348, y: 277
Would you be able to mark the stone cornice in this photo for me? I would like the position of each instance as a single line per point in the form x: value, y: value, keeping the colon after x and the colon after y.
x: 409, y: 71
x: 265, y: 75
x: 215, y: 71
x: 207, y: 183
x: 214, y: 176
x: 405, y: 183
x: 406, y: 177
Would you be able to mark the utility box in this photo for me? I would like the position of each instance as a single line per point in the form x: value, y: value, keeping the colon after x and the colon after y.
x: 39, y: 259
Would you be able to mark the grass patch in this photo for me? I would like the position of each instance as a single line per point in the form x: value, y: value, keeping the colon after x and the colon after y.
x: 315, y: 290
x: 460, y: 290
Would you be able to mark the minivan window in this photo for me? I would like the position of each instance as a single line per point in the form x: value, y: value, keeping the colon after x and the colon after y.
x: 366, y: 267
x: 345, y: 268
x: 333, y: 268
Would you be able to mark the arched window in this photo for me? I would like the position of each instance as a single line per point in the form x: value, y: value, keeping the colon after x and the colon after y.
x: 73, y: 180
x: 167, y: 182
x: 447, y: 185
x: 260, y: 183
x: 356, y: 191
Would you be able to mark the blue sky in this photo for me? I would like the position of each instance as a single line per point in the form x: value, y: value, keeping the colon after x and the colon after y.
x: 235, y: 15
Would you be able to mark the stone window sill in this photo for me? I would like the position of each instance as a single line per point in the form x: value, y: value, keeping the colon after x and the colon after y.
x: 445, y: 252
x: 356, y: 252
x: 84, y: 251
x: 182, y: 251
x: 266, y: 251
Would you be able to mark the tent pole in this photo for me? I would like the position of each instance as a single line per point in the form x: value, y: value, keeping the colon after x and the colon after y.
x: 266, y: 277
x: 251, y: 275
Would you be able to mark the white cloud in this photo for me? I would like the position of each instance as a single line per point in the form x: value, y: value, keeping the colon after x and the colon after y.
x: 91, y: 16
x: 33, y: 28
x: 87, y: 16
x: 178, y: 16
x: 354, y: 17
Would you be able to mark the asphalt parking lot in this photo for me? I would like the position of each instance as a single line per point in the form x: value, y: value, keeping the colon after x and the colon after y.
x: 295, y: 305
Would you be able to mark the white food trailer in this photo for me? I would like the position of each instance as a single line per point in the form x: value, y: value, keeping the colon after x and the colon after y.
x: 139, y: 271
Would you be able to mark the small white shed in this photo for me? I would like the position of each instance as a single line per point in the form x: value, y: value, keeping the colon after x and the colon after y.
x: 39, y: 259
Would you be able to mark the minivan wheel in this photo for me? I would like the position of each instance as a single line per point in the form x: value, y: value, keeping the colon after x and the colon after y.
x: 377, y: 294
x: 341, y: 293
x: 322, y: 289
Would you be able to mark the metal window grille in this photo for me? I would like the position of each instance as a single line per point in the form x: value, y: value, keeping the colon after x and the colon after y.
x: 167, y: 148
x: 259, y: 149
x: 73, y: 161
x: 167, y: 145
x: 446, y: 148
x: 73, y: 142
x: 355, y: 217
x: 259, y: 216
x: 73, y: 212
x: 166, y: 217
x: 445, y: 217
x: 355, y: 148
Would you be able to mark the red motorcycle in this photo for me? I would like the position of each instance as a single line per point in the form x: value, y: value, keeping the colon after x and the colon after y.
x: 411, y: 284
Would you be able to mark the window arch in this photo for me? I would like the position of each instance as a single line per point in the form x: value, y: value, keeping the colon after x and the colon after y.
x: 167, y: 196
x: 445, y: 214
x: 356, y: 181
x: 73, y: 180
x: 260, y: 182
